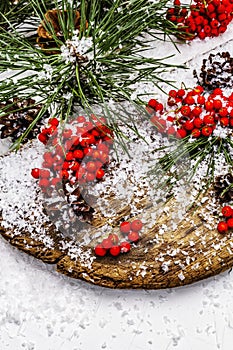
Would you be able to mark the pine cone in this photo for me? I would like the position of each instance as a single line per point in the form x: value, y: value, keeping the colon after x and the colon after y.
x: 80, y: 207
x: 224, y: 188
x: 15, y: 123
x: 216, y: 71
x: 45, y: 39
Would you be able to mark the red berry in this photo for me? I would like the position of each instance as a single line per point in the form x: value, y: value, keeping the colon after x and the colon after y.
x: 125, y: 247
x: 136, y: 225
x: 197, y: 111
x: 230, y: 223
x: 224, y: 121
x: 227, y: 211
x: 188, y: 125
x: 207, y: 131
x: 42, y: 138
x: 114, y: 238
x: 44, y: 173
x: 180, y: 92
x: 152, y: 103
x: 100, y: 251
x: 90, y: 177
x: 35, y: 173
x: 133, y: 236
x: 159, y: 107
x: 91, y: 167
x: 100, y: 174
x: 53, y: 122
x: 78, y: 154
x: 185, y: 110
x: 87, y: 140
x: 43, y: 182
x: 209, y: 119
x: 172, y: 93
x: 209, y: 105
x: 217, y: 104
x: 223, y: 112
x: 222, y: 227
x: 189, y: 100
x: 81, y: 119
x: 181, y: 133
x: 198, y: 122
x: 115, y: 251
x: 106, y: 243
x: 125, y: 227
x: 201, y: 100
x: 196, y: 133
x: 67, y: 133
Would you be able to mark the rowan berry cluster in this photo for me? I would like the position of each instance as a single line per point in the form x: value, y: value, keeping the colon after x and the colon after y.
x: 224, y: 226
x: 112, y: 244
x: 192, y: 113
x: 203, y: 18
x: 80, y: 153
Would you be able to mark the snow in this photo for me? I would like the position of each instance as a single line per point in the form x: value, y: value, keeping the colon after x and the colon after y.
x: 40, y: 309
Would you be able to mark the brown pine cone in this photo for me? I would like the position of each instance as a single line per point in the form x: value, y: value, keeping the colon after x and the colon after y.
x: 15, y: 123
x: 224, y: 188
x: 216, y: 71
x: 45, y: 39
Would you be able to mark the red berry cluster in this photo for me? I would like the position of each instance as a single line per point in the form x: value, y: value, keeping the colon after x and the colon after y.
x: 112, y: 245
x: 204, y: 18
x: 224, y: 226
x: 192, y: 112
x: 80, y: 153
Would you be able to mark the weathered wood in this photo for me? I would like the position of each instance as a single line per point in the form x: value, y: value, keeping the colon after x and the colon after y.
x: 190, y: 253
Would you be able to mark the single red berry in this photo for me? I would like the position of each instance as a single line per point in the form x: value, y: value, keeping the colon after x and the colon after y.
x: 222, y: 227
x: 106, y: 243
x: 198, y: 122
x: 100, y: 174
x: 78, y: 154
x: 188, y: 125
x: 159, y: 107
x: 87, y: 140
x: 90, y: 177
x: 197, y: 111
x: 223, y: 112
x: 206, y: 131
x: 43, y: 182
x: 201, y: 99
x: 185, y: 111
x: 224, y: 121
x: 181, y: 133
x: 125, y: 227
x: 100, y: 251
x: 81, y: 119
x: 136, y: 225
x: 230, y: 223
x: 64, y: 174
x: 91, y: 167
x: 189, y: 100
x: 35, y: 173
x: 196, y: 133
x: 180, y: 92
x: 115, y: 251
x: 217, y: 91
x: 152, y: 103
x: 125, y: 247
x: 67, y: 133
x: 209, y: 105
x: 227, y: 211
x: 114, y: 238
x: 209, y: 119
x: 44, y: 173
x: 69, y: 156
x: 42, y: 138
x: 133, y: 236
x: 217, y: 104
x: 172, y: 93
x: 53, y: 122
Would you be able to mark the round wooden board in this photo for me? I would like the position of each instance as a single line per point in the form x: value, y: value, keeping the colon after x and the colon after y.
x: 175, y: 258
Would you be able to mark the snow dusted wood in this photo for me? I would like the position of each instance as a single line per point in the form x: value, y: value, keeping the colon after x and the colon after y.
x: 173, y: 258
